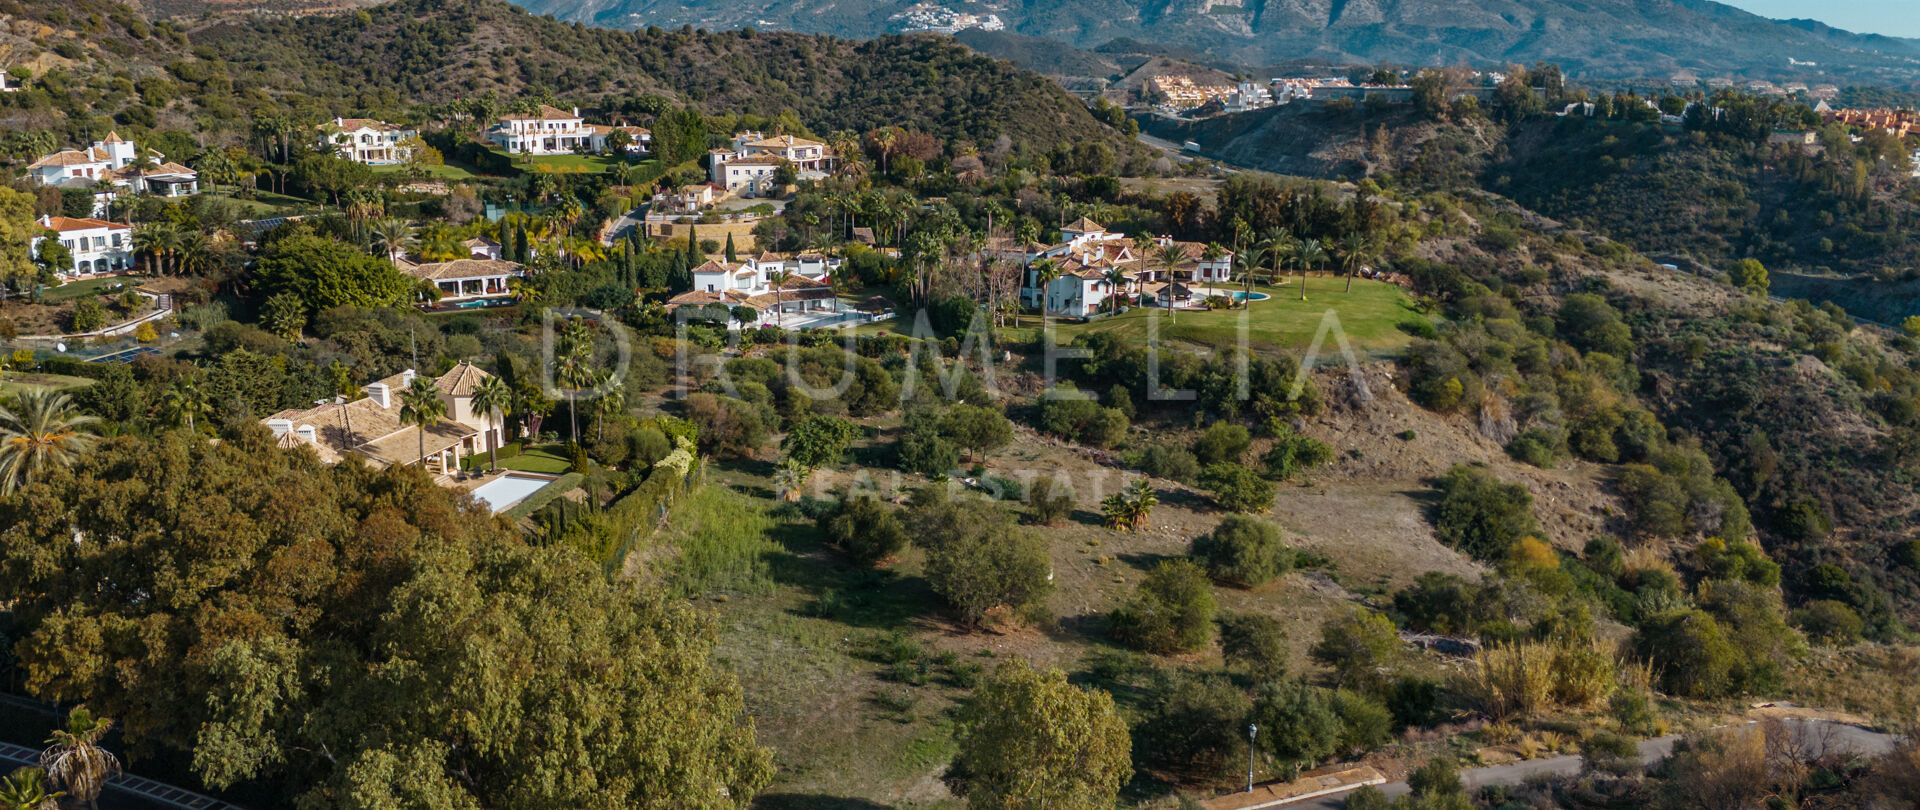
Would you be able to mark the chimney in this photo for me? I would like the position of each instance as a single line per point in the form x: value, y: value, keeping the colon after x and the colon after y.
x: 280, y: 427
x: 306, y: 434
x: 379, y: 393
x: 406, y: 378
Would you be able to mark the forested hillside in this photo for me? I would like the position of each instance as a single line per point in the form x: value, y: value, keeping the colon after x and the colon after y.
x: 385, y: 59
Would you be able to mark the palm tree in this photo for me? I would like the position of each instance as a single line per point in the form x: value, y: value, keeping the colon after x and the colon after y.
x: 1353, y: 253
x: 1115, y: 279
x: 492, y: 396
x: 778, y: 279
x: 421, y: 407
x: 611, y: 401
x: 185, y: 401
x: 574, y: 356
x: 1278, y: 242
x: 42, y: 433
x: 74, y: 759
x: 391, y: 236
x: 1249, y: 260
x: 1045, y: 272
x: 1170, y: 254
x: 26, y: 789
x: 1128, y: 509
x: 153, y: 240
x: 1311, y: 253
x: 790, y: 478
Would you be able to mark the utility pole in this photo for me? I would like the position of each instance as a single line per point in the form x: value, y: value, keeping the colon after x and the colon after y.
x: 1252, y: 732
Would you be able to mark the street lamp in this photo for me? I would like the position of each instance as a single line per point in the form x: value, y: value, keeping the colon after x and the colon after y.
x: 1252, y: 731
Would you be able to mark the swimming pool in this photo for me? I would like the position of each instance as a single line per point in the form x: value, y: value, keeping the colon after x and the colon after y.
x: 1244, y: 296
x: 502, y: 493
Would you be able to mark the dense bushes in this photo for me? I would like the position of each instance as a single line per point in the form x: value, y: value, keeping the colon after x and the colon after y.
x: 1171, y: 610
x: 1480, y: 515
x: 1238, y: 489
x: 1082, y: 420
x: 1243, y: 550
x: 978, y: 560
x: 866, y: 529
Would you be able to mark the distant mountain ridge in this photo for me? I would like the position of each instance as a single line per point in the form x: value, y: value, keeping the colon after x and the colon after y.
x: 1610, y: 38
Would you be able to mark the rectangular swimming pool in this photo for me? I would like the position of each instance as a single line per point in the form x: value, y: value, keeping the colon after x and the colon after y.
x: 502, y: 493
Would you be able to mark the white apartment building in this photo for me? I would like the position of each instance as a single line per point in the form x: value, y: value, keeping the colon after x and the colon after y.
x: 97, y: 246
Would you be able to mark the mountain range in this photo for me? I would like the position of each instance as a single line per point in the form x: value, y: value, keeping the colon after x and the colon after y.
x: 1596, y: 38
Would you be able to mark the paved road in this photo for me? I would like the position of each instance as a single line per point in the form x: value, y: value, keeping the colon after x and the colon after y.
x: 1830, y: 734
x: 627, y: 221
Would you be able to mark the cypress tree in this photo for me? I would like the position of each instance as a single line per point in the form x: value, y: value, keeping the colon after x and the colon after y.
x: 730, y: 257
x: 693, y: 241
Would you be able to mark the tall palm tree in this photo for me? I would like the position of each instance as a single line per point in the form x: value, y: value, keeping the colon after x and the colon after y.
x: 1249, y: 260
x: 1353, y: 253
x: 1116, y: 279
x: 27, y: 789
x: 610, y: 402
x: 1279, y: 242
x: 41, y: 433
x: 185, y: 401
x: 421, y: 407
x: 574, y: 358
x: 778, y: 279
x: 74, y: 759
x: 1170, y: 255
x: 1045, y: 272
x: 492, y: 396
x: 1311, y: 254
x: 390, y: 237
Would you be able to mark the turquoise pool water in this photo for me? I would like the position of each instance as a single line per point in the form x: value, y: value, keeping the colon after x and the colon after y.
x: 502, y: 493
x: 1244, y: 296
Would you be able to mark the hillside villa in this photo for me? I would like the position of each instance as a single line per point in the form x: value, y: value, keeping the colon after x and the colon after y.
x: 370, y: 426
x: 98, y: 246
x: 807, y: 290
x: 1091, y: 260
x: 478, y: 278
x: 366, y: 140
x: 553, y: 131
x: 748, y: 168
x: 112, y: 166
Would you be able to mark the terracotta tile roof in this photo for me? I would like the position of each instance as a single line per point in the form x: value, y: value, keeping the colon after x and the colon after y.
x: 783, y: 142
x: 757, y: 160
x: 113, y: 137
x: 1085, y: 225
x: 67, y: 157
x: 462, y: 268
x: 64, y: 224
x: 545, y: 113
x: 461, y: 380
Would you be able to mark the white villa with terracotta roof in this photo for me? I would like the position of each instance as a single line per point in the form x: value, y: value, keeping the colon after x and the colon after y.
x: 748, y: 167
x: 463, y: 280
x: 808, y: 287
x: 553, y: 131
x: 367, y: 140
x: 370, y: 427
x: 113, y: 165
x: 1088, y: 258
x: 98, y: 246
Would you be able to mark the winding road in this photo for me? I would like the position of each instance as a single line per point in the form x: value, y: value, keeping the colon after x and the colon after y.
x: 1813, y: 735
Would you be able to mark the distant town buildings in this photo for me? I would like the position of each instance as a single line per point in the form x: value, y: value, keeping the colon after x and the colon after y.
x: 942, y: 20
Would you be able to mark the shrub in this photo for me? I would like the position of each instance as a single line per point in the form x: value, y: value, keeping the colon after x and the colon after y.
x: 1082, y: 420
x: 1829, y: 622
x: 1738, y: 560
x: 1222, y: 442
x: 1197, y: 727
x: 1255, y: 644
x: 976, y: 429
x: 1049, y: 501
x: 1301, y: 722
x: 1171, y: 463
x: 1236, y: 488
x: 1480, y: 515
x: 928, y: 454
x: 1439, y: 602
x: 866, y: 529
x: 1689, y: 652
x: 1359, y: 647
x: 1535, y: 446
x: 988, y: 567
x: 1171, y: 610
x: 1365, y: 722
x: 1414, y: 701
x: 1610, y: 753
x: 1245, y: 551
x: 1908, y: 553
x: 1292, y: 454
x: 819, y: 441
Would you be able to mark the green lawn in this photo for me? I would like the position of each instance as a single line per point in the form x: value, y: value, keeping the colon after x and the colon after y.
x: 567, y: 164
x: 539, y: 460
x: 444, y: 171
x: 75, y: 289
x: 545, y: 495
x: 13, y: 383
x: 1370, y: 316
x: 266, y: 203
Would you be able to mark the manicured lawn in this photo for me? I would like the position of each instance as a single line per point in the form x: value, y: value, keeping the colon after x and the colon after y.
x: 75, y: 289
x: 266, y: 203
x: 1370, y: 316
x: 444, y: 171
x: 568, y: 164
x: 13, y: 383
x: 540, y: 460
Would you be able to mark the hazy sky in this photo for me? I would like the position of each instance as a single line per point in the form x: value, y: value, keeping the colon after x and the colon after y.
x: 1899, y: 18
